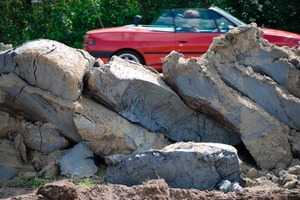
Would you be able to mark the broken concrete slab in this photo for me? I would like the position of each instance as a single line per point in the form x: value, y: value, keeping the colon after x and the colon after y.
x: 49, y: 65
x: 34, y: 104
x: 9, y: 124
x: 44, y: 138
x: 10, y: 161
x: 78, y: 161
x: 140, y: 95
x: 246, y: 46
x: 108, y: 133
x: 238, y: 72
x: 202, y: 88
x: 182, y: 165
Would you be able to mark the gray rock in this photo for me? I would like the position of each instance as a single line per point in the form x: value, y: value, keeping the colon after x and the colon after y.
x: 46, y: 164
x: 141, y: 96
x: 294, y: 170
x: 4, y: 47
x: 108, y: 133
x: 252, y: 173
x: 286, y: 177
x: 44, y: 138
x: 182, y: 165
x: 238, y: 72
x: 202, y: 88
x: 291, y: 184
x: 10, y: 161
x: 294, y: 138
x: 280, y: 167
x: 224, y: 185
x: 227, y: 186
x: 34, y: 104
x: 78, y: 162
x: 8, y: 173
x: 9, y: 124
x: 49, y: 65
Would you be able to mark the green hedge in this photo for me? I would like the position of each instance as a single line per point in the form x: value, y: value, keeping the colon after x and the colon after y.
x: 68, y: 20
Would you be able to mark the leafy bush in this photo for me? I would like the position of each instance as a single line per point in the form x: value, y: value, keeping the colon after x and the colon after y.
x: 67, y: 21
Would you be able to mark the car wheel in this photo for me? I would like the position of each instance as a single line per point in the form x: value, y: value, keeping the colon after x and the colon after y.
x: 130, y: 56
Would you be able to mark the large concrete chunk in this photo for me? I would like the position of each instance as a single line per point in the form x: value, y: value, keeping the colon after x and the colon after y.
x: 9, y: 124
x: 78, y: 162
x: 141, y: 96
x: 107, y: 133
x: 182, y: 165
x: 49, y: 65
x: 245, y: 46
x: 10, y: 161
x: 238, y: 71
x: 34, y: 104
x: 44, y: 138
x: 201, y: 87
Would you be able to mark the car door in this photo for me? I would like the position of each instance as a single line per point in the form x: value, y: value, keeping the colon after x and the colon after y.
x: 156, y: 45
x: 207, y: 25
x: 194, y: 44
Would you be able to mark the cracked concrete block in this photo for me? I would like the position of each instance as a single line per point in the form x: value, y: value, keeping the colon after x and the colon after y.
x: 182, y: 165
x: 140, y: 95
x: 49, y: 65
x: 10, y: 161
x: 243, y: 76
x: 245, y: 46
x: 4, y: 47
x: 34, y: 104
x: 9, y: 124
x: 44, y: 138
x: 204, y: 88
x: 108, y: 133
x: 78, y: 161
x: 201, y: 87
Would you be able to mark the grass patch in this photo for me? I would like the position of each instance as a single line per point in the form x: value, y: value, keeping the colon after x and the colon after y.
x: 87, y: 182
x: 99, y: 178
x: 32, y: 182
x: 251, y: 182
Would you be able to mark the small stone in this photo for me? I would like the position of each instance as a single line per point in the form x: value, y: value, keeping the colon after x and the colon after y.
x: 294, y: 170
x: 224, y: 186
x: 287, y: 178
x: 291, y: 184
x: 252, y: 173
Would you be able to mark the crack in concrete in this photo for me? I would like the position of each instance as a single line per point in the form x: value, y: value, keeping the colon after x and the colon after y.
x: 86, y: 117
x: 35, y: 68
x: 41, y: 143
x: 54, y: 48
x: 5, y: 61
x: 19, y: 94
x: 80, y: 51
x: 36, y: 62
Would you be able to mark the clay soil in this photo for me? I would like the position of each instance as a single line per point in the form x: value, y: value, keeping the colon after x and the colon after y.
x: 152, y: 189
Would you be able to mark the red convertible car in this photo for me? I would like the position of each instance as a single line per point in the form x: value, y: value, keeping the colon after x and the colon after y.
x: 189, y: 31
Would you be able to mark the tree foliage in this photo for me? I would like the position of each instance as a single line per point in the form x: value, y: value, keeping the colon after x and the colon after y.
x: 68, y: 20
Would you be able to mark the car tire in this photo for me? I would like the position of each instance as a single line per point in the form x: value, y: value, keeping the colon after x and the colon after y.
x: 130, y: 56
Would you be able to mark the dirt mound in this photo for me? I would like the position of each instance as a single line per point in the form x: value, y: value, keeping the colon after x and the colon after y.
x: 152, y: 189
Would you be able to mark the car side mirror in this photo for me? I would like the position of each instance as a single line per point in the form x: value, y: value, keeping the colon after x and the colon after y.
x: 137, y: 19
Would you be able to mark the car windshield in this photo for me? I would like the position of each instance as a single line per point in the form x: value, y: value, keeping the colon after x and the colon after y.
x: 197, y: 20
x: 228, y: 16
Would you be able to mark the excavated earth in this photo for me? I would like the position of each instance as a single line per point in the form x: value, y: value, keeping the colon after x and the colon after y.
x: 152, y: 189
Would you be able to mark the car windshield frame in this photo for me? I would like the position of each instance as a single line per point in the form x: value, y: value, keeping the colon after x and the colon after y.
x: 227, y: 15
x: 169, y: 18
